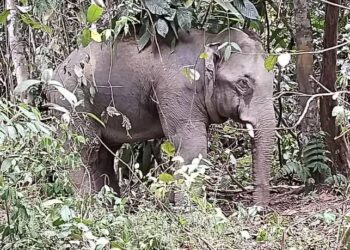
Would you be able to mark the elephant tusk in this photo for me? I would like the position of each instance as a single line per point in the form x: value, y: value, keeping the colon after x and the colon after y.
x: 250, y: 130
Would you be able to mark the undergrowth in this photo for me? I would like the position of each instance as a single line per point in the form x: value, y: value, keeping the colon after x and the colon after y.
x: 39, y: 209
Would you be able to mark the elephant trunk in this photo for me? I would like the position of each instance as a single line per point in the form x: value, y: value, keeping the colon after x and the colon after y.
x: 262, y: 150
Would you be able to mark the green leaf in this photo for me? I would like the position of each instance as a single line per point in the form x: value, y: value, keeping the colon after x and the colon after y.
x: 69, y: 96
x: 50, y: 203
x: 66, y: 213
x: 246, y: 8
x: 101, y: 243
x: 188, y: 3
x: 227, y: 53
x: 184, y: 18
x: 32, y: 127
x: 338, y: 111
x: 43, y: 128
x: 35, y: 24
x: 144, y: 39
x: 229, y: 7
x: 30, y: 115
x: 20, y: 129
x: 190, y: 74
x: 6, y: 164
x: 97, y: 37
x: 94, y: 13
x: 3, y: 16
x: 168, y: 148
x: 166, y: 178
x: 270, y: 62
x: 12, y: 132
x: 25, y: 85
x: 204, y: 56
x: 107, y: 33
x: 93, y: 116
x: 85, y: 37
x: 157, y: 7
x: 235, y: 46
x: 162, y: 27
x: 329, y: 217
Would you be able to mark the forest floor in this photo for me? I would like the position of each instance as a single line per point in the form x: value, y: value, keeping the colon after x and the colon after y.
x: 223, y: 219
x: 294, y: 220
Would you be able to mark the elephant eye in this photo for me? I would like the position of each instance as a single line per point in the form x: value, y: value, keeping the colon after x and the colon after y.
x: 243, y: 86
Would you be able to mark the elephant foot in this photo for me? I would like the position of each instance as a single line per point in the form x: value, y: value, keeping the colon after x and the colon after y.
x: 81, y: 181
x: 86, y: 183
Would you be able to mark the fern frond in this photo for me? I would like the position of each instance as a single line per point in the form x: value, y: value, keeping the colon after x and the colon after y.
x: 314, y: 156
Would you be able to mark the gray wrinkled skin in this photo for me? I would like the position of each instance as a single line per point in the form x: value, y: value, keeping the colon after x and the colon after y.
x: 150, y: 90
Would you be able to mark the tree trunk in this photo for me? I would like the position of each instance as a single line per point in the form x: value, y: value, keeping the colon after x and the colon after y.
x: 338, y: 151
x: 16, y: 45
x: 310, y: 125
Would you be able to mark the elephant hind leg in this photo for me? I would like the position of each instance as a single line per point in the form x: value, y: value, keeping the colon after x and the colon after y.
x: 103, y: 172
x: 98, y: 170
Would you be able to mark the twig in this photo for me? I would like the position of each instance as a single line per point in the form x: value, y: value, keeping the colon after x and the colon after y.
x: 248, y: 189
x: 336, y: 5
x: 234, y: 180
x: 280, y: 114
x: 297, y: 52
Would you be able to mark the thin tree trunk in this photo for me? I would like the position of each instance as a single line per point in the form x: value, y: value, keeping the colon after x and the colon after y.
x: 304, y: 67
x: 338, y: 149
x: 16, y: 46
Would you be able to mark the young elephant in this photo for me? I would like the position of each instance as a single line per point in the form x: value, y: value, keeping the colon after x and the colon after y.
x: 176, y: 94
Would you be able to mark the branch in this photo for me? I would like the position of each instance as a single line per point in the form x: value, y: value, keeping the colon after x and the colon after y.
x: 334, y: 4
x: 17, y: 49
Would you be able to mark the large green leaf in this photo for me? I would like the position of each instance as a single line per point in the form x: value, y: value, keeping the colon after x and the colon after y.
x: 85, y: 37
x: 162, y: 27
x: 94, y: 13
x: 184, y: 18
x: 246, y: 8
x: 157, y: 7
x: 229, y: 7
x: 144, y: 39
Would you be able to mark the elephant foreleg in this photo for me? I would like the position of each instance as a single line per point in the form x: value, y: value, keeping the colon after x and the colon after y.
x: 190, y: 141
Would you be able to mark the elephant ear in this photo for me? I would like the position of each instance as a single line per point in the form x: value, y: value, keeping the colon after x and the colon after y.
x: 211, y: 61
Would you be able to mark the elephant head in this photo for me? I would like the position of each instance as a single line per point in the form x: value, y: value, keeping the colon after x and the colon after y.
x: 241, y: 88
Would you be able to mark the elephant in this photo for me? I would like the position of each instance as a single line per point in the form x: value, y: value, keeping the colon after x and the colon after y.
x: 173, y: 92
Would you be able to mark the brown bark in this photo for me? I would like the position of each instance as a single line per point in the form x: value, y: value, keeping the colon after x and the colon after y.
x: 338, y: 149
x: 304, y: 67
